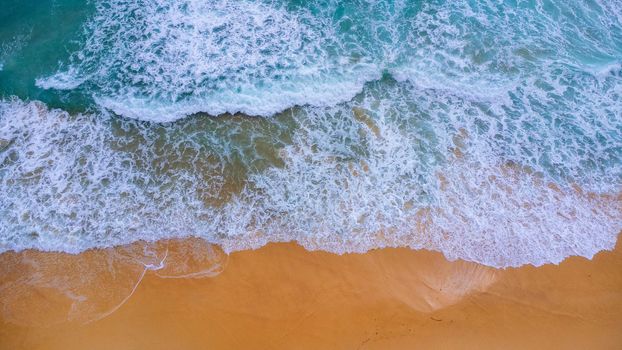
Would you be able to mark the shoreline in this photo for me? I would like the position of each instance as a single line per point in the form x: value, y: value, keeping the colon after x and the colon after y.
x: 283, y: 296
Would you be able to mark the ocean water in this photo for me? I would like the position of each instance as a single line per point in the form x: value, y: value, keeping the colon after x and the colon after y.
x: 490, y: 131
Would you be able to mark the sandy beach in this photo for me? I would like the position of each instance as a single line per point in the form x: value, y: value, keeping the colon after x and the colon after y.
x: 267, y: 175
x: 282, y: 296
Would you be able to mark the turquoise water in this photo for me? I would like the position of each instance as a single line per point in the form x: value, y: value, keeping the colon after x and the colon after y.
x: 474, y: 128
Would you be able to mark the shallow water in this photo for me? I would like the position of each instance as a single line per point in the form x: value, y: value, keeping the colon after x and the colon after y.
x: 491, y: 132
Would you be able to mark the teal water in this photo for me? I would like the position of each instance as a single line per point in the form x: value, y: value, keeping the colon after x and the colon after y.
x: 465, y: 127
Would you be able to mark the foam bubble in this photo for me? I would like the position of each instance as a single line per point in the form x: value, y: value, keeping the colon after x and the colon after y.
x: 11, y: 47
x: 65, y: 80
x: 358, y: 176
x: 438, y: 179
x: 164, y: 60
x: 454, y: 126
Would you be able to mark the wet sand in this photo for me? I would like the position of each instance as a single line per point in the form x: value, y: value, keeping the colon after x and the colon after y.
x: 284, y: 297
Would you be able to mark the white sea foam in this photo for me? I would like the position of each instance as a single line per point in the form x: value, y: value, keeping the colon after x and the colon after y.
x: 65, y: 80
x: 250, y: 101
x: 162, y: 60
x: 489, y: 142
x: 354, y: 177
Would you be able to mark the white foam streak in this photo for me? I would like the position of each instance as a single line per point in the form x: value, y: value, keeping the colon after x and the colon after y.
x: 248, y: 100
x: 489, y: 141
x: 64, y: 80
x: 354, y: 178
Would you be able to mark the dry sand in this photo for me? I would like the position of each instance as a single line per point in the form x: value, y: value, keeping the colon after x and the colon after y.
x: 284, y: 297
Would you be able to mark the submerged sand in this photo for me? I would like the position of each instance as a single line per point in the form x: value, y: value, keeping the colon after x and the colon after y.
x: 282, y: 296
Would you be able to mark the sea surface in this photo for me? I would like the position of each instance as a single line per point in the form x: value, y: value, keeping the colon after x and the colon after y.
x: 490, y: 131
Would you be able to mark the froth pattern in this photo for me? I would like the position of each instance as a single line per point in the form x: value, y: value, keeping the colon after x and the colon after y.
x: 367, y: 174
x: 163, y: 60
x: 454, y: 126
x: 447, y: 175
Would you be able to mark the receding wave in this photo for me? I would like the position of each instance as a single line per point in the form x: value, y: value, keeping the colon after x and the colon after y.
x: 163, y: 60
x: 489, y: 132
x: 352, y: 177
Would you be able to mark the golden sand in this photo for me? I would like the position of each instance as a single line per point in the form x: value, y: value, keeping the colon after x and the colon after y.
x: 284, y: 297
